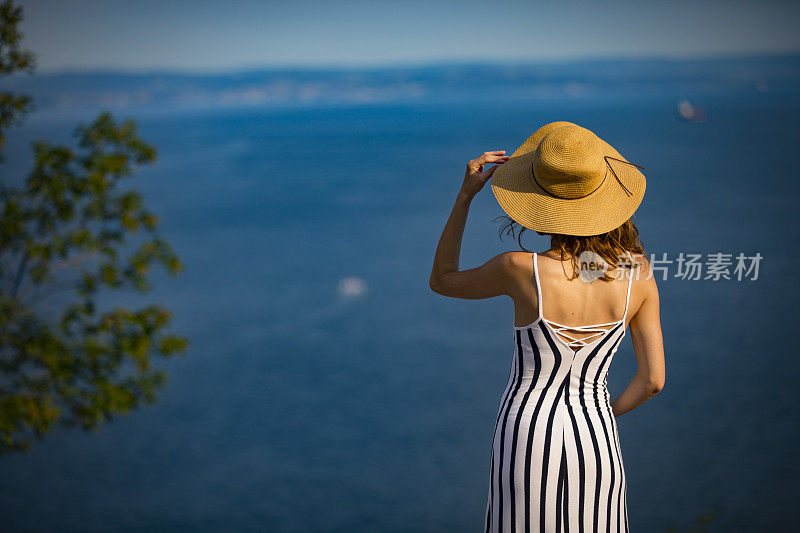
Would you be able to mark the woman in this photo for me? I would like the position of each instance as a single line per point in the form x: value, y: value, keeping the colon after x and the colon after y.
x: 556, y: 462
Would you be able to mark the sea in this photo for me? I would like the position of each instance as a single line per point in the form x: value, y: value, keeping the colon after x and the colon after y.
x: 326, y: 388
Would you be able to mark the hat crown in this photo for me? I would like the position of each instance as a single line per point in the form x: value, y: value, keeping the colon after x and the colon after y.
x: 569, y: 162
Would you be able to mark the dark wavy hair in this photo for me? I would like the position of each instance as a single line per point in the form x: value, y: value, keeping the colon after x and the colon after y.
x: 610, y: 245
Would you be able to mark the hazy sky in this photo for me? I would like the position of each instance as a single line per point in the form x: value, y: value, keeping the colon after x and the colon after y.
x: 231, y: 34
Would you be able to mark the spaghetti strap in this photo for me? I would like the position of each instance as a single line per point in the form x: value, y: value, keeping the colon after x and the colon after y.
x: 630, y: 283
x: 538, y: 286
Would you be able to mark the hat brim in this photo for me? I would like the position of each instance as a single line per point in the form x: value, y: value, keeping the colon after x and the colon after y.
x: 603, y: 210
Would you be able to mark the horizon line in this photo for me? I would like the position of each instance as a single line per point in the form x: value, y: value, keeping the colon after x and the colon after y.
x: 397, y: 65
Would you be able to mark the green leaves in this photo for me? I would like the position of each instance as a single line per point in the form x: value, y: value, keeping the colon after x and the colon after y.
x: 12, y: 59
x: 73, y: 232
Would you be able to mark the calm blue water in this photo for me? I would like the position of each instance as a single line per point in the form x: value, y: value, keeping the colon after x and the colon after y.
x: 295, y: 410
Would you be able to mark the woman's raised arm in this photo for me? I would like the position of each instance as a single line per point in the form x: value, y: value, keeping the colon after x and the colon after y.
x: 487, y: 280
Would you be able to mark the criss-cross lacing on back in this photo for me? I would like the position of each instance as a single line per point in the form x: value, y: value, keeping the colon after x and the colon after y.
x: 595, y: 331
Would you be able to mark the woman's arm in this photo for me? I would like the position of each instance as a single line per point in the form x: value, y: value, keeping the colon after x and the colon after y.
x: 487, y: 280
x: 649, y: 348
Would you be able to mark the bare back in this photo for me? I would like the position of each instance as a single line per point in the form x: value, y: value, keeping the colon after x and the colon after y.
x: 578, y: 311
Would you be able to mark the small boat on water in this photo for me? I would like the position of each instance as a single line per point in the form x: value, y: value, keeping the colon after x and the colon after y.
x: 690, y: 112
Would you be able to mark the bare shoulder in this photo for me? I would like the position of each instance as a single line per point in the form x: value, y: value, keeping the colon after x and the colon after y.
x: 516, y: 259
x: 515, y: 269
x: 644, y: 286
x: 643, y: 272
x: 515, y: 264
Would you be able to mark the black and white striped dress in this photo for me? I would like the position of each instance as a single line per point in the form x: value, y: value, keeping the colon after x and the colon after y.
x: 556, y: 461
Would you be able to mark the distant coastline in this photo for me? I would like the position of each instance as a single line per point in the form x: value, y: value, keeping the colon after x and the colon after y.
x: 772, y: 74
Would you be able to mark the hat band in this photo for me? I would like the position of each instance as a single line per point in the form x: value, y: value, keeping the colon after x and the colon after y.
x: 606, y: 158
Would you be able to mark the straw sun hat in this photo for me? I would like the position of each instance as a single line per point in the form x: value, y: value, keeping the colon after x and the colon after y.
x: 565, y: 179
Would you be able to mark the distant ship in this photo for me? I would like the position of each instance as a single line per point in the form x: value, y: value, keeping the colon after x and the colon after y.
x: 690, y: 113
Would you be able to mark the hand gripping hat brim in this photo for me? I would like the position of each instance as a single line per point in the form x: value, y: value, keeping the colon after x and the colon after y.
x: 606, y: 206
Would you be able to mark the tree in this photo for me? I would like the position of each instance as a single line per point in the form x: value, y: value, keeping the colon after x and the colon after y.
x: 71, y: 238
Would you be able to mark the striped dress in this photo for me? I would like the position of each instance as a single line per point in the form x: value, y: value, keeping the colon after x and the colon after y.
x: 556, y: 462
